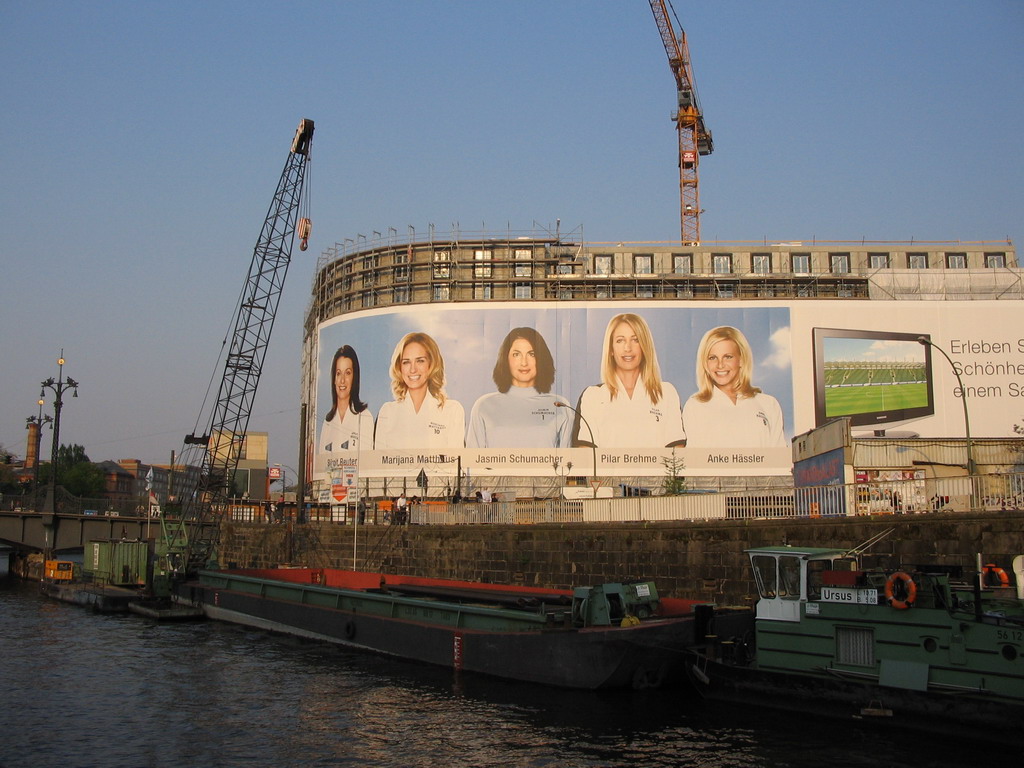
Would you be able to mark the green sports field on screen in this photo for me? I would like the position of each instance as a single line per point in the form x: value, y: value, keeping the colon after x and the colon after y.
x: 848, y: 400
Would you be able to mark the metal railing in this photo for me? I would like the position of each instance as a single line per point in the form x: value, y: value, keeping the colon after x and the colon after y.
x: 992, y: 493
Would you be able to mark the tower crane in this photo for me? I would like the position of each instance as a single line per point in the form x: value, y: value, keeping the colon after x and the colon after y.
x: 694, y: 137
x: 220, y: 445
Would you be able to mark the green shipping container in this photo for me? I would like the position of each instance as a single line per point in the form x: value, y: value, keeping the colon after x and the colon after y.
x: 117, y: 562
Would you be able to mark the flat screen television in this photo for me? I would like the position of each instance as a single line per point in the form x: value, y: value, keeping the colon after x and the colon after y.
x: 879, y: 379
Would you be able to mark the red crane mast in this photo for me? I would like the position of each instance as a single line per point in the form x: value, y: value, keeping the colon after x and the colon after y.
x: 694, y: 137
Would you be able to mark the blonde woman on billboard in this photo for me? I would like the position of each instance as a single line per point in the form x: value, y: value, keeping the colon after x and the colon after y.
x: 727, y: 410
x: 420, y: 416
x: 522, y: 413
x: 632, y: 407
x: 349, y: 424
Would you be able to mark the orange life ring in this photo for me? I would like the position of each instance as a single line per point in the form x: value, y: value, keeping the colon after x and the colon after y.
x: 908, y: 585
x: 997, y: 572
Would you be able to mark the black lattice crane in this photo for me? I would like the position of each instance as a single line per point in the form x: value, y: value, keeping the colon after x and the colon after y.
x: 694, y: 137
x: 221, y: 445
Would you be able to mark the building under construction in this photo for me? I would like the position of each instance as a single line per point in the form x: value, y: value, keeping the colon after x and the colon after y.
x: 948, y: 310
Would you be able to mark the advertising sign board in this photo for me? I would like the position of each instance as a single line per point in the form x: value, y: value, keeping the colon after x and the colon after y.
x: 619, y: 388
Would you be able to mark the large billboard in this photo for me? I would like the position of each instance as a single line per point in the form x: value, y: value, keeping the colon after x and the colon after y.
x: 553, y: 388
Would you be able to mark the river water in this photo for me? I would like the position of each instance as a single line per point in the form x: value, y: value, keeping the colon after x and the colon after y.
x: 81, y: 689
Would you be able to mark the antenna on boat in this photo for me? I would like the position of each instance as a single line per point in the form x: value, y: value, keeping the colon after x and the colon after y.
x: 861, y: 548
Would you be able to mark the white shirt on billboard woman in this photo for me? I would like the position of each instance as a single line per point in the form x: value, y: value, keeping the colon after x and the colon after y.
x: 727, y: 411
x: 420, y: 416
x: 348, y: 426
x: 632, y: 407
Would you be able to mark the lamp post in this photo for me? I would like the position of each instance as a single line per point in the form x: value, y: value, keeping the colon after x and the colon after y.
x: 593, y: 445
x: 58, y: 387
x: 38, y: 421
x: 925, y: 341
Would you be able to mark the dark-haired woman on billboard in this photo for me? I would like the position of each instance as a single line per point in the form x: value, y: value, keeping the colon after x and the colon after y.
x: 727, y: 411
x: 632, y: 407
x: 522, y: 413
x: 421, y: 415
x: 348, y: 426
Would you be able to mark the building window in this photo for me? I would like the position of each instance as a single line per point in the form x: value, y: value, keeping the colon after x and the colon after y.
x: 645, y: 291
x: 524, y: 263
x: 726, y: 290
x: 369, y: 299
x: 401, y: 266
x: 839, y: 263
x: 721, y: 263
x: 917, y: 261
x: 442, y: 292
x: 956, y: 261
x: 643, y: 264
x: 524, y: 291
x: 765, y: 290
x: 400, y: 294
x: 483, y: 263
x: 442, y: 265
x: 878, y: 260
x: 801, y: 263
x: 761, y: 263
x: 563, y: 269
x: 602, y: 264
x: 995, y: 260
x: 682, y: 264
x: 684, y: 292
x: 482, y: 290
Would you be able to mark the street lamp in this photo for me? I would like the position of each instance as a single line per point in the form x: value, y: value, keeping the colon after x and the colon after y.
x: 58, y: 387
x: 925, y: 341
x: 593, y: 444
x: 38, y: 421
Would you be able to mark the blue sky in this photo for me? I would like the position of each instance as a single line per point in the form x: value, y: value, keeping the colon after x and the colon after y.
x: 141, y: 143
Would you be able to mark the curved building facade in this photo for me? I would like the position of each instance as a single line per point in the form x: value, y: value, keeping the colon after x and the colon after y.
x: 533, y: 366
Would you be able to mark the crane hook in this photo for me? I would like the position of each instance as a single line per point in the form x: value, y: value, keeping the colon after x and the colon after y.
x: 305, y: 227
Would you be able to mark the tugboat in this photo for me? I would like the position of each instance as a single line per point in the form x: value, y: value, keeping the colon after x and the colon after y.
x: 916, y: 646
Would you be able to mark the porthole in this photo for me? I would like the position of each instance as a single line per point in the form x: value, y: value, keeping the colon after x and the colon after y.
x: 930, y: 644
x: 1009, y: 652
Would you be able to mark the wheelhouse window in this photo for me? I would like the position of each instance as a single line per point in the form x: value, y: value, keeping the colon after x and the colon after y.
x: 789, y: 577
x: 765, y: 576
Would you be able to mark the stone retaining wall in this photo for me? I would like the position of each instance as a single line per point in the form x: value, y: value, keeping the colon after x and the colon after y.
x: 701, y: 560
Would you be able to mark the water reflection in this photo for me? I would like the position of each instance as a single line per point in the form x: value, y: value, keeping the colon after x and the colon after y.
x: 92, y: 690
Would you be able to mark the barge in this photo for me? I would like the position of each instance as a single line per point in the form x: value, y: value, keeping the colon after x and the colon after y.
x: 606, y: 636
x: 917, y: 646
